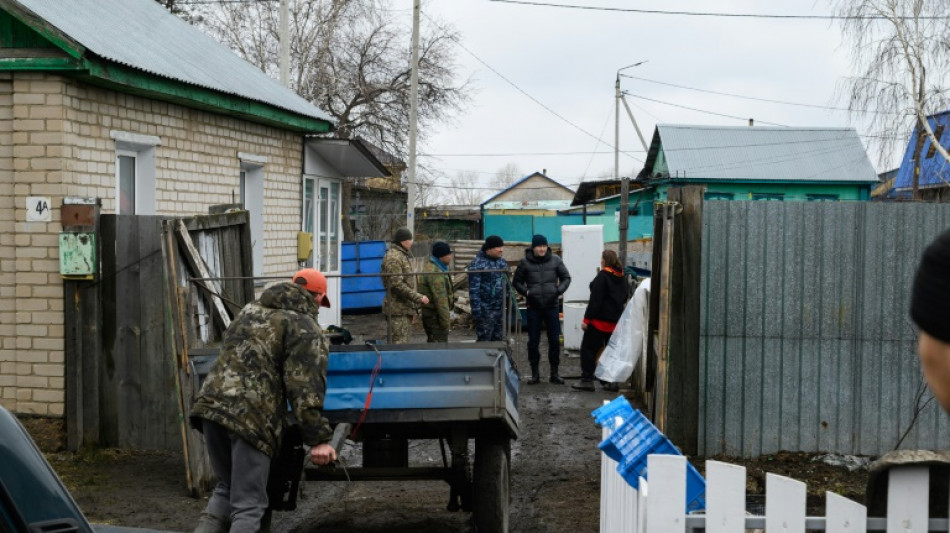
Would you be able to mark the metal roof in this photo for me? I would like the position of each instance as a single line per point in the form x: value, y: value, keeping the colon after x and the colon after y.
x: 522, y: 180
x: 142, y: 35
x: 934, y: 169
x: 761, y: 154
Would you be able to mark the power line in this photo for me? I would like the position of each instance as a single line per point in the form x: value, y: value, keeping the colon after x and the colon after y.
x: 701, y: 110
x: 744, y: 97
x: 715, y: 14
x: 522, y: 91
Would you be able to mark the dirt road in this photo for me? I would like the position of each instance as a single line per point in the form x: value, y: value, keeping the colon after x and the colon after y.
x: 555, y: 475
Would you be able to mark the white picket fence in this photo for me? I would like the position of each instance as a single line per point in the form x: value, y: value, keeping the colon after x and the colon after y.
x: 660, y: 507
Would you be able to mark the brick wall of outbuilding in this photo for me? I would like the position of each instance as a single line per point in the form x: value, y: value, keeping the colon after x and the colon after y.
x: 55, y: 142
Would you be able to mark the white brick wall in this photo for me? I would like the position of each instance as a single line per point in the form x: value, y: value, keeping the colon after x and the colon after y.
x: 55, y: 141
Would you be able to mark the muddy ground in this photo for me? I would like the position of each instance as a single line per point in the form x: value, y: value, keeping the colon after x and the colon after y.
x: 555, y: 473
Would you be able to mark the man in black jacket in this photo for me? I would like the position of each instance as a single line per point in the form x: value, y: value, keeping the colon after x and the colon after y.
x: 542, y: 278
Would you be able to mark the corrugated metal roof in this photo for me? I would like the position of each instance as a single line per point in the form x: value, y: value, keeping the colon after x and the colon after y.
x: 934, y: 170
x: 763, y: 153
x: 143, y: 35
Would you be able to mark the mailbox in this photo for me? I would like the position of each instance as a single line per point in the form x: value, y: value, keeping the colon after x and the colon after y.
x: 77, y: 255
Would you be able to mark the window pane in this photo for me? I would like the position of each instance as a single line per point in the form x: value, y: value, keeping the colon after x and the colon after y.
x: 243, y: 188
x: 324, y: 224
x: 334, y: 226
x: 126, y: 200
x: 308, y: 205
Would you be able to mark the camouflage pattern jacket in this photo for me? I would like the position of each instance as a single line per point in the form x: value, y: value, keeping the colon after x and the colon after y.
x: 487, y: 289
x: 274, y: 352
x: 439, y: 290
x: 401, y: 295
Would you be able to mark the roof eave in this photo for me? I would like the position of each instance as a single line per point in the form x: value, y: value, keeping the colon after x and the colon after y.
x: 134, y: 81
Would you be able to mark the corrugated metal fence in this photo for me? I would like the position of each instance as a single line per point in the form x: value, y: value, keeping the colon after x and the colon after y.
x: 805, y: 339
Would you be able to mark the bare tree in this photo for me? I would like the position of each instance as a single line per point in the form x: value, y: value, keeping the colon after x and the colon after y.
x: 506, y: 176
x: 463, y: 189
x: 351, y: 59
x: 901, y: 50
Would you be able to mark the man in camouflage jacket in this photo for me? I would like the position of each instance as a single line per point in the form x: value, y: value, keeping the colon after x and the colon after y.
x: 402, y: 299
x: 274, y: 355
x: 437, y: 286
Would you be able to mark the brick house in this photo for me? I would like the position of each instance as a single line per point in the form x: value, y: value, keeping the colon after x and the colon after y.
x: 121, y: 101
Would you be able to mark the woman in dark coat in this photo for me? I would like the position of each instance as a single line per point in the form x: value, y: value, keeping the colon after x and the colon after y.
x: 608, y: 294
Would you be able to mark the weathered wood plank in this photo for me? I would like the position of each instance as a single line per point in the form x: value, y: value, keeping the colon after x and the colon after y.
x: 129, y: 367
x: 196, y: 262
x: 667, y: 475
x: 725, y: 506
x: 109, y: 383
x: 784, y: 504
x: 218, y: 220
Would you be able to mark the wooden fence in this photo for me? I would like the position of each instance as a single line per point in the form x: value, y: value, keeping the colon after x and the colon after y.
x: 659, y: 506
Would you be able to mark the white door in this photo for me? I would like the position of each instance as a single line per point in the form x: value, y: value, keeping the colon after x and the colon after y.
x: 321, y: 218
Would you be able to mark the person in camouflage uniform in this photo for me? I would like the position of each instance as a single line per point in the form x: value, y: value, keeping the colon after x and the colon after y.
x: 438, y: 289
x: 274, y: 355
x: 487, y: 290
x: 402, y: 299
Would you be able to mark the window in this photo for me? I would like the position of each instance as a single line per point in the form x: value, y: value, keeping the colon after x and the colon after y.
x: 125, y: 170
x: 767, y: 196
x: 134, y: 173
x: 938, y: 133
x: 251, y: 193
x: 822, y: 197
x: 719, y: 196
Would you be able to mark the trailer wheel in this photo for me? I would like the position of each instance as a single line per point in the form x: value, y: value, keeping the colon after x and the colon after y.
x: 492, y: 484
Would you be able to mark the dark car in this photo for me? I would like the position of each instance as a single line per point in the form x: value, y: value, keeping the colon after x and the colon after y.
x: 32, y: 498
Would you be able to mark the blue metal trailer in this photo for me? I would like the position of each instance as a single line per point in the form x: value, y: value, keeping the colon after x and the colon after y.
x: 453, y: 392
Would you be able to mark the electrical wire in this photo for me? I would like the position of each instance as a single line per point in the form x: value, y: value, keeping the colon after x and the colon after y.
x: 830, y: 108
x: 524, y: 92
x: 700, y: 110
x: 714, y: 14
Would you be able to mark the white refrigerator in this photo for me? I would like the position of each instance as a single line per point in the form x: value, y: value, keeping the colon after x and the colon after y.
x: 581, y: 247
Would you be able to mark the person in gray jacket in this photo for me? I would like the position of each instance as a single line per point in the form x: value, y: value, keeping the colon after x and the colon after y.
x: 542, y: 278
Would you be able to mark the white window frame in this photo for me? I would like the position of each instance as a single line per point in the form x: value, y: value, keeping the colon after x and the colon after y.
x: 252, y: 195
x: 142, y: 148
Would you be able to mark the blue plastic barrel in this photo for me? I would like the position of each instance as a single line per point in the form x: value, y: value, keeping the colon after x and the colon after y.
x: 363, y: 293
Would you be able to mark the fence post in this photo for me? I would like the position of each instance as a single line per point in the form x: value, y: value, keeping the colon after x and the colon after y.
x: 784, y: 504
x: 844, y: 515
x: 666, y: 511
x: 725, y: 499
x: 908, y: 497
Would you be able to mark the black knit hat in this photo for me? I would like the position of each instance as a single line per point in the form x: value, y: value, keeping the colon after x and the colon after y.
x: 493, y: 241
x: 930, y: 298
x: 441, y: 249
x: 539, y: 240
x: 402, y: 234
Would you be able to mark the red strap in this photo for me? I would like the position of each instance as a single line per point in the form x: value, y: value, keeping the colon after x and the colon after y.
x: 369, y: 395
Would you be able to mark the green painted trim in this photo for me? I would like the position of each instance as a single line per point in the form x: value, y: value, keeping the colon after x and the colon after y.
x: 668, y: 181
x: 40, y: 63
x: 22, y: 22
x: 137, y: 82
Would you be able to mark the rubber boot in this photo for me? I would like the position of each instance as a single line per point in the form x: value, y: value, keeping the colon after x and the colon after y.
x: 555, y: 377
x: 211, y: 523
x: 535, y: 376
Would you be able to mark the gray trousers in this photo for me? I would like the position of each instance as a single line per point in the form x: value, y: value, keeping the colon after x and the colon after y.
x: 242, y: 470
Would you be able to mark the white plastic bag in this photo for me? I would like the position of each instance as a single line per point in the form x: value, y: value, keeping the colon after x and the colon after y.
x: 626, y: 343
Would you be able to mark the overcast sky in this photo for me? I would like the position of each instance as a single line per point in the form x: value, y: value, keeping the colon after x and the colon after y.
x: 567, y: 60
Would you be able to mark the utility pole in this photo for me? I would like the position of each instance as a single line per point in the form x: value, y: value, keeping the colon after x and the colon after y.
x: 413, y: 118
x: 285, y: 43
x: 625, y: 181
